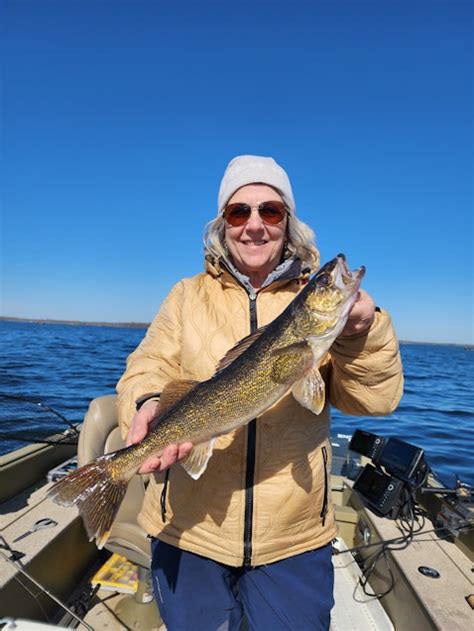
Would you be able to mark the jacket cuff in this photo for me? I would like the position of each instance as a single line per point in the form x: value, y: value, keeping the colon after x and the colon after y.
x: 146, y: 397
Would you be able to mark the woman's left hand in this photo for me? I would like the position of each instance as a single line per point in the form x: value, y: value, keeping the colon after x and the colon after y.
x: 361, y: 315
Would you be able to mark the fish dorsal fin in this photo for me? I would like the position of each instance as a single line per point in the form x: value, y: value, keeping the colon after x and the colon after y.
x: 173, y: 392
x: 239, y: 348
x: 195, y: 464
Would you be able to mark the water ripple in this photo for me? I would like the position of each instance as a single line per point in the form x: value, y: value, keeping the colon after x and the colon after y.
x: 66, y: 366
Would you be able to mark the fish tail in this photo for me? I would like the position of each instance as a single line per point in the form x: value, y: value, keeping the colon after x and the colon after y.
x: 97, y: 492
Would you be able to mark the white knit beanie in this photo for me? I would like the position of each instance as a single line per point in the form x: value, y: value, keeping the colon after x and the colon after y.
x: 244, y: 170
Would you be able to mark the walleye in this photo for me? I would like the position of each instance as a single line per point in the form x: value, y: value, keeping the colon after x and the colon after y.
x: 255, y: 374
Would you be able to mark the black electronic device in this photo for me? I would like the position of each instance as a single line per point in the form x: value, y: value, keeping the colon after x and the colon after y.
x: 367, y: 444
x: 401, y: 459
x: 379, y: 490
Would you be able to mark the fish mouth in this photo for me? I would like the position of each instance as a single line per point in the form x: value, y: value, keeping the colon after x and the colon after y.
x: 348, y: 282
x: 345, y: 278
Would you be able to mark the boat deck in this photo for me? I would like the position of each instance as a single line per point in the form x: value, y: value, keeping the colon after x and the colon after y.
x: 63, y: 562
x: 49, y: 555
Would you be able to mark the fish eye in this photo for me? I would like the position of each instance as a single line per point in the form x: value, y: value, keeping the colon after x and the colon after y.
x: 325, y: 280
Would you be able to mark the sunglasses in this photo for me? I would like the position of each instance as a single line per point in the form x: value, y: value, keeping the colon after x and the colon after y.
x: 238, y: 214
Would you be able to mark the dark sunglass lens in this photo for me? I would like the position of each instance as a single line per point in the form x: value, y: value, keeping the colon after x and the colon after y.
x: 237, y: 214
x: 272, y: 212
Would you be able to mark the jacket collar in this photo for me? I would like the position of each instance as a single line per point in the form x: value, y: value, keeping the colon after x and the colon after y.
x: 291, y: 268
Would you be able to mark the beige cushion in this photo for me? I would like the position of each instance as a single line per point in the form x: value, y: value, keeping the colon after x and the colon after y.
x: 99, y: 435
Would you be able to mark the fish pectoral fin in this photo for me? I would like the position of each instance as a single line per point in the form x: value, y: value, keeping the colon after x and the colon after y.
x: 239, y: 349
x: 296, y: 366
x: 173, y: 392
x: 195, y: 464
x: 291, y: 362
x: 310, y: 392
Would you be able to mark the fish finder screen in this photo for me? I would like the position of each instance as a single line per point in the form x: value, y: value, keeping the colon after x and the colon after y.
x: 399, y: 457
x: 362, y: 442
x: 372, y: 483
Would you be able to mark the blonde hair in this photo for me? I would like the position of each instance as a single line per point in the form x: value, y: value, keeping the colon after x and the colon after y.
x: 300, y: 241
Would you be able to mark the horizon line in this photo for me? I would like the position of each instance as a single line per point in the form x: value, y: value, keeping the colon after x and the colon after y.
x: 145, y: 325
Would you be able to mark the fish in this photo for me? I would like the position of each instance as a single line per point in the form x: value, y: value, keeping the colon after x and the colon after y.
x: 281, y: 356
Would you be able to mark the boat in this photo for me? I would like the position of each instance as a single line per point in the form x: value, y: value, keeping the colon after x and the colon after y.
x: 386, y: 578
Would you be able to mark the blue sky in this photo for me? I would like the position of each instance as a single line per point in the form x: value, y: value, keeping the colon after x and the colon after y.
x: 119, y: 117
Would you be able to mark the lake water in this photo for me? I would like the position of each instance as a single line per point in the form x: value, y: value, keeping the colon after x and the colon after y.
x: 65, y: 366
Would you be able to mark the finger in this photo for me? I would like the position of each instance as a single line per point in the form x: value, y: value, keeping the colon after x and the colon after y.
x: 169, y: 456
x: 359, y: 321
x: 138, y: 430
x: 151, y: 464
x: 141, y: 423
x: 365, y: 299
x: 130, y: 438
x: 355, y: 306
x: 361, y: 298
x: 184, y: 449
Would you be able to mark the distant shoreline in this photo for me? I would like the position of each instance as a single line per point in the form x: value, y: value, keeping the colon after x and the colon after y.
x: 117, y: 325
x: 145, y: 325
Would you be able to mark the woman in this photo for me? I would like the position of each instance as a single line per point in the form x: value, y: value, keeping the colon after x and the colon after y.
x: 251, y: 536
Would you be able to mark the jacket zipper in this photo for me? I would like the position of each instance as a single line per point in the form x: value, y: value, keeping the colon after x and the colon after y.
x: 250, y: 464
x: 324, y: 507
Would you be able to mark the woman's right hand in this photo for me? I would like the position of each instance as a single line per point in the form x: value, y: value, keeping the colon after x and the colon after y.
x: 140, y: 427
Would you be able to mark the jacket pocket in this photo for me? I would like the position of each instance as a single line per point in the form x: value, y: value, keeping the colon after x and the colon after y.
x: 324, y: 506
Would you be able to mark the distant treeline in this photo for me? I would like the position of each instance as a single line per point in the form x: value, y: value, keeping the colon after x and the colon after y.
x: 130, y: 325
x: 145, y: 325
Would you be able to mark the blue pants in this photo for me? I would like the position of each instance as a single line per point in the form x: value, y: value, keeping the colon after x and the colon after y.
x: 197, y: 594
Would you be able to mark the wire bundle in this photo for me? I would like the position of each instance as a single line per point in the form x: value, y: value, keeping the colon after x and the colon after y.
x: 410, y: 520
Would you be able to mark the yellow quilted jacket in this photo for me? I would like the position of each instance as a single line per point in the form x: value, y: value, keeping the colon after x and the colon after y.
x: 265, y: 498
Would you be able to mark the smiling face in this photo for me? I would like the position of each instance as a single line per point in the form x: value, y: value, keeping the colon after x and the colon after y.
x: 256, y: 247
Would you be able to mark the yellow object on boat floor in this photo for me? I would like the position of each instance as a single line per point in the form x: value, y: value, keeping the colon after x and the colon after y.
x: 117, y: 574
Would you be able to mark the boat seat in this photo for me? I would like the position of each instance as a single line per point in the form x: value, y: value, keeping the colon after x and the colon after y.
x: 99, y: 435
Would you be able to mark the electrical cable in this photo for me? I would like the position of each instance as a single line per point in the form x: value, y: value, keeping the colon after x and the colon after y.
x: 410, y: 520
x: 395, y: 540
x: 404, y: 478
